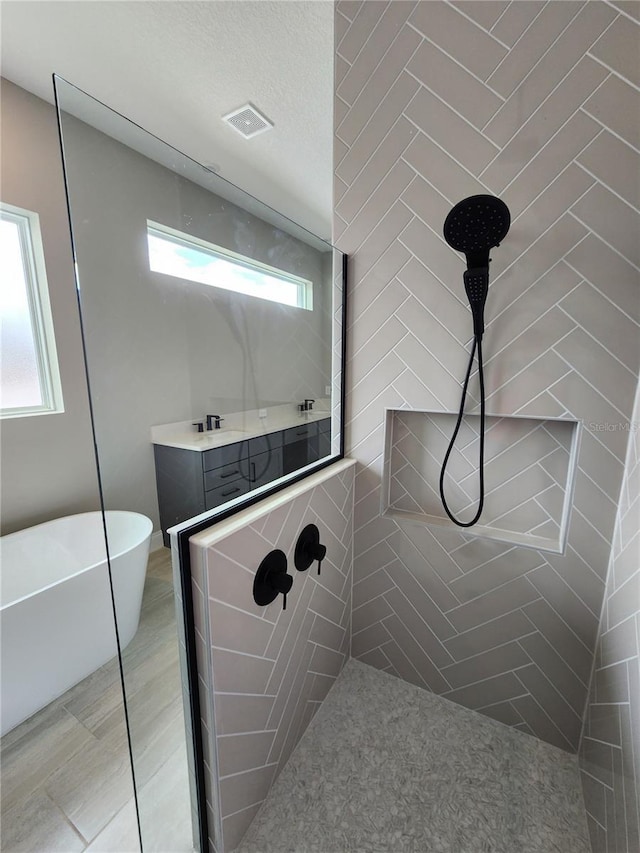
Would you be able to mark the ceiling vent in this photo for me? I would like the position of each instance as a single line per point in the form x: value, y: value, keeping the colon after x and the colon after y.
x: 248, y: 121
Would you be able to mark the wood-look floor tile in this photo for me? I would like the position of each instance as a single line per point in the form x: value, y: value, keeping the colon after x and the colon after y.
x: 36, y: 824
x: 120, y: 834
x: 159, y: 565
x: 36, y: 749
x: 154, y: 744
x: 167, y: 795
x: 92, y: 787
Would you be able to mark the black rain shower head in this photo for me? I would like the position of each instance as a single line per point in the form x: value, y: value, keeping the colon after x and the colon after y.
x: 475, y: 226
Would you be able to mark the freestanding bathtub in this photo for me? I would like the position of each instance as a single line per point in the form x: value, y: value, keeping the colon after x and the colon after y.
x: 56, y: 615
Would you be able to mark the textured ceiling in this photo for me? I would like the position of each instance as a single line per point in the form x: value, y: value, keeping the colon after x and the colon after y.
x: 176, y: 67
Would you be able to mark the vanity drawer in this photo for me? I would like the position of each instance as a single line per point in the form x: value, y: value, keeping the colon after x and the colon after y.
x: 324, y: 425
x: 226, y: 474
x: 300, y: 432
x: 266, y: 467
x: 225, y: 455
x: 324, y: 444
x: 264, y: 443
x: 226, y: 492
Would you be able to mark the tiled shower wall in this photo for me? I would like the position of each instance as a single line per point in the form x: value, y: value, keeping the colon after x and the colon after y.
x: 610, y: 746
x: 537, y: 103
x: 270, y: 668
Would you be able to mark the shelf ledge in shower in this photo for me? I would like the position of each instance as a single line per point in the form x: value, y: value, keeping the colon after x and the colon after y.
x: 478, y: 531
x: 530, y: 468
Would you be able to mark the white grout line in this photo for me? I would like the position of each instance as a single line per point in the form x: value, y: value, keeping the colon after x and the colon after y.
x: 598, y: 234
x: 458, y: 163
x: 570, y: 707
x: 243, y: 654
x: 418, y: 643
x: 621, y: 11
x: 565, y: 662
x: 575, y: 370
x: 542, y: 56
x: 453, y: 110
x: 595, y: 286
x: 610, y: 129
x: 588, y: 333
x: 611, y: 70
x: 550, y: 140
x: 536, y: 111
x: 522, y: 34
x: 528, y: 367
x: 457, y: 62
x: 389, y: 87
x: 252, y: 695
x: 354, y: 182
x: 480, y: 27
x: 501, y: 645
x: 497, y: 20
x: 370, y: 35
x: 241, y: 734
x: 600, y: 782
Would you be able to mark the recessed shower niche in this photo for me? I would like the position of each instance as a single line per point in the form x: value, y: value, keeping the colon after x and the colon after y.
x: 529, y: 474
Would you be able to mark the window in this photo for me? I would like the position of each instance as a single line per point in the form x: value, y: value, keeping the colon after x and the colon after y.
x: 186, y: 257
x: 29, y: 376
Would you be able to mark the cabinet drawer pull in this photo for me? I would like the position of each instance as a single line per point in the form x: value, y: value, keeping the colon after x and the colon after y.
x: 302, y: 432
x: 229, y: 492
x: 229, y: 474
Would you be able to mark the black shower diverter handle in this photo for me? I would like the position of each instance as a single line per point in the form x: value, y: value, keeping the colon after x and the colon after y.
x: 309, y: 548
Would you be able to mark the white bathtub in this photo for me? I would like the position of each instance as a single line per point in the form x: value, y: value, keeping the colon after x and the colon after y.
x: 56, y: 616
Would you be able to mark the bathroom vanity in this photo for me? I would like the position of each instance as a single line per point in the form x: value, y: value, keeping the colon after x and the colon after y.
x: 197, y: 472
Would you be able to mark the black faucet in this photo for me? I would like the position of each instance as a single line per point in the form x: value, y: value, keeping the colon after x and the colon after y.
x: 211, y: 419
x: 307, y: 406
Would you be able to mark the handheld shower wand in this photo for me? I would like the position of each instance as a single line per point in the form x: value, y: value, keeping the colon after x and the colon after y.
x: 474, y: 226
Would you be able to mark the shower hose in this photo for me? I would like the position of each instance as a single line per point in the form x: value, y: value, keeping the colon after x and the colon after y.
x: 477, y: 345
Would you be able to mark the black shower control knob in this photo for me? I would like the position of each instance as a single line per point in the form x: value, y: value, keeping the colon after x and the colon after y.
x: 309, y: 548
x: 272, y: 579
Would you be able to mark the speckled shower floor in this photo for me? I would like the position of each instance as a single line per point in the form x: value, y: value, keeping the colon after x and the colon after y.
x: 388, y: 767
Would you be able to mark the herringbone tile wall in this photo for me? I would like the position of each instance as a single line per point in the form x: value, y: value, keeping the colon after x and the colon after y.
x: 527, y: 473
x: 269, y: 669
x: 538, y: 103
x: 610, y: 746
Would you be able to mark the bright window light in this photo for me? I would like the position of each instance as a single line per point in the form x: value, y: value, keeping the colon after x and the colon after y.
x: 29, y: 376
x: 186, y: 257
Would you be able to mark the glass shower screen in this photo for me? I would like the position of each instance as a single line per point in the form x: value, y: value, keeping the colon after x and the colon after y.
x: 213, y: 340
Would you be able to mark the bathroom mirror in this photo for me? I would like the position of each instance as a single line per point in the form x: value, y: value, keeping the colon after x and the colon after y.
x: 213, y: 337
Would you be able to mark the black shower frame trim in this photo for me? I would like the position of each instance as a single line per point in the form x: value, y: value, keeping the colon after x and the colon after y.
x: 187, y: 591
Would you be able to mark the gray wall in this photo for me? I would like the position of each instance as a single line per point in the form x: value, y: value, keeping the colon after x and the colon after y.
x: 160, y: 349
x: 48, y: 463
x: 435, y: 102
x: 610, y: 746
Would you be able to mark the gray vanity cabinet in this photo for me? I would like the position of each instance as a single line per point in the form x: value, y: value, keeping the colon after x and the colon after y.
x: 191, y: 482
x: 300, y: 446
x: 324, y: 437
x: 265, y: 458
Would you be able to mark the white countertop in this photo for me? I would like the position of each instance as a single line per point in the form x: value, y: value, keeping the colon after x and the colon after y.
x: 237, y: 426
